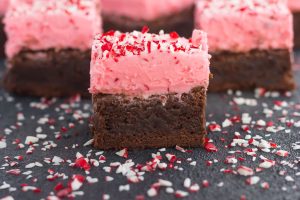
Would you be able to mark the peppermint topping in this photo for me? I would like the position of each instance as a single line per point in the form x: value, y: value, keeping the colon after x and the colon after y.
x: 114, y: 44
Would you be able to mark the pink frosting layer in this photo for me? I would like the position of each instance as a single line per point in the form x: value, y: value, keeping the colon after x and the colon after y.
x: 294, y: 5
x: 143, y: 64
x: 243, y: 25
x: 3, y: 6
x: 39, y: 25
x: 144, y: 9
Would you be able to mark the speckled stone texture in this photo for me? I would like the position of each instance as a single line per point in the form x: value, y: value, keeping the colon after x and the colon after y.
x: 159, y: 121
x: 65, y: 123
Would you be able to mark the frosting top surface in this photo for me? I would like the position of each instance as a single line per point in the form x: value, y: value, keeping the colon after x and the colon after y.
x: 141, y: 63
x: 242, y: 25
x: 114, y: 44
x: 144, y: 9
x: 40, y: 25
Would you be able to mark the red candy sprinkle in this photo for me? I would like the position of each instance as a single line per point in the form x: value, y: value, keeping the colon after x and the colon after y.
x: 145, y: 29
x: 109, y: 33
x: 82, y: 163
x: 106, y: 47
x: 210, y: 147
x: 59, y: 187
x: 174, y: 35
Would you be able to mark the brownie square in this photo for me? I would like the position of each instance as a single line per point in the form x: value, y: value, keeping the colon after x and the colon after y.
x: 270, y: 69
x: 149, y: 90
x: 48, y: 46
x: 251, y: 43
x: 49, y: 73
x: 158, y: 121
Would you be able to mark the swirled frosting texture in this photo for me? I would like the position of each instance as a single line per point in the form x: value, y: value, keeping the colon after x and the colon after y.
x: 40, y: 24
x: 144, y: 9
x: 143, y: 64
x: 243, y: 25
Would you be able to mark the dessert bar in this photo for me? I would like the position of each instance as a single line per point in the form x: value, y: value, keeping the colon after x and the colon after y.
x: 48, y: 46
x: 251, y: 43
x: 149, y: 90
x: 129, y: 15
x: 294, y: 6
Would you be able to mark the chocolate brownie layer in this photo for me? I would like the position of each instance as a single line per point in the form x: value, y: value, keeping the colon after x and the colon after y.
x: 2, y: 38
x: 296, y: 30
x: 158, y: 121
x: 182, y: 23
x: 269, y: 69
x: 49, y: 73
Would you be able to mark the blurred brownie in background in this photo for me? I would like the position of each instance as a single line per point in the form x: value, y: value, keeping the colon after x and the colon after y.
x: 294, y: 6
x: 167, y: 15
x: 250, y: 41
x: 3, y: 7
x: 48, y: 46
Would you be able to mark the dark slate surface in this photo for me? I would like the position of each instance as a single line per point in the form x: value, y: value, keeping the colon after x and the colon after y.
x: 64, y: 113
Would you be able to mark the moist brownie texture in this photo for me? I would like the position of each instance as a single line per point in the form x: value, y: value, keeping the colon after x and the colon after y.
x: 149, y: 90
x: 181, y: 22
x: 49, y: 73
x: 3, y: 8
x: 2, y: 38
x: 159, y: 121
x: 269, y: 69
x: 296, y: 29
x: 294, y: 6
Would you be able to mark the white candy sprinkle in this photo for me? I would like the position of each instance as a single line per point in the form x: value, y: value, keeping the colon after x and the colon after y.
x: 180, y: 193
x: 4, y: 186
x: 152, y: 192
x: 165, y: 183
x: 187, y: 183
x: 169, y: 190
x: 41, y: 136
x: 289, y: 179
x: 253, y: 180
x: 76, y: 184
x: 261, y: 123
x: 106, y: 197
x: 88, y: 142
x: 194, y: 188
x: 91, y: 180
x: 226, y: 123
x: 57, y: 160
x: 267, y: 164
x: 109, y: 178
x: 245, y: 171
x: 3, y: 144
x: 31, y: 140
x: 124, y: 187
